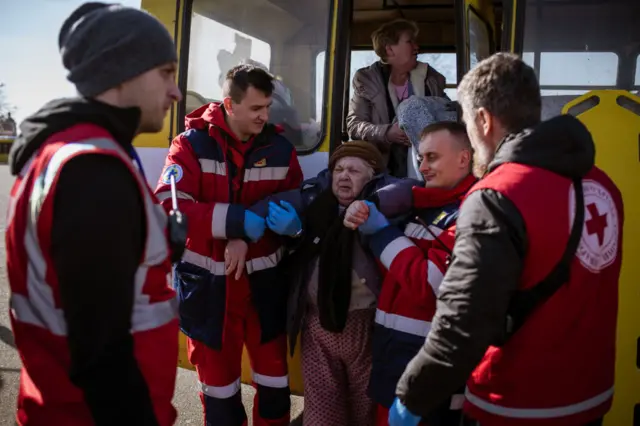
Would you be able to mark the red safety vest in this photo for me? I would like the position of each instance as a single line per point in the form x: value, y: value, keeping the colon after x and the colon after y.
x: 46, y: 394
x: 558, y: 368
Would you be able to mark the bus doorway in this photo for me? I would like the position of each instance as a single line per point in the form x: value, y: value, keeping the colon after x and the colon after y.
x: 453, y: 36
x: 314, y: 48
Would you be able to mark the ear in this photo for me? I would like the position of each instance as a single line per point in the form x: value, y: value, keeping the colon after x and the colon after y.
x: 465, y: 158
x: 485, y: 121
x: 228, y: 105
x: 389, y: 51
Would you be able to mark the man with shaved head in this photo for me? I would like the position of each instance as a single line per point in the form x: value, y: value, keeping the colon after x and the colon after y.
x: 444, y: 154
x: 415, y: 256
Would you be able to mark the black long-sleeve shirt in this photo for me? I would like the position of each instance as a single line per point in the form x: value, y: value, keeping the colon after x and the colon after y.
x: 98, y: 235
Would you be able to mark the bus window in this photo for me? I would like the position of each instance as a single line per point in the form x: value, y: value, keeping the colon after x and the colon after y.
x: 214, y: 49
x: 478, y: 38
x: 444, y: 63
x: 576, y: 47
x: 580, y: 69
x: 359, y: 59
x: 283, y: 39
x: 320, y: 67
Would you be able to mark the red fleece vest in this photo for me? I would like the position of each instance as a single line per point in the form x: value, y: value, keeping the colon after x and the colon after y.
x: 558, y: 369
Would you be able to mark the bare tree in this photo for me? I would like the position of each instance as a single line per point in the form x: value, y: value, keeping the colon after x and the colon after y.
x: 7, y: 123
x: 5, y: 106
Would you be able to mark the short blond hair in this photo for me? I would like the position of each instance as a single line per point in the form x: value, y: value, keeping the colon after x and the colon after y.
x: 389, y: 34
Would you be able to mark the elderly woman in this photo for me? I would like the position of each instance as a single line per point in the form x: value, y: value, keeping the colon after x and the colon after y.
x: 379, y: 88
x: 334, y: 282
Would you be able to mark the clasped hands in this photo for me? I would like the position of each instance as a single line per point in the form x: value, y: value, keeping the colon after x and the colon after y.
x: 364, y: 216
x: 282, y: 219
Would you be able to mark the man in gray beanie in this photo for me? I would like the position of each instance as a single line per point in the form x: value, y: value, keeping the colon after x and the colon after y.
x: 103, y: 46
x: 89, y: 259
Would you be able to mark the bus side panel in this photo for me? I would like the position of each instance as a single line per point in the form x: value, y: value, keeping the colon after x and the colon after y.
x: 165, y: 11
x: 616, y: 131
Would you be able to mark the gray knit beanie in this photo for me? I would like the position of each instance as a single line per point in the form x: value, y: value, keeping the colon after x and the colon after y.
x: 103, y: 45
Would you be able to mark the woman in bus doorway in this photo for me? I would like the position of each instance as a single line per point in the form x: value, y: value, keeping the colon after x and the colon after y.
x: 379, y: 88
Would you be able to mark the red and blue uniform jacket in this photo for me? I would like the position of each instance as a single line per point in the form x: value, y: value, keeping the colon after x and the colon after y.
x: 217, y: 178
x: 415, y: 256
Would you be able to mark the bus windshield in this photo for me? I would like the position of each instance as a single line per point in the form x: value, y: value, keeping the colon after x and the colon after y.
x: 282, y: 37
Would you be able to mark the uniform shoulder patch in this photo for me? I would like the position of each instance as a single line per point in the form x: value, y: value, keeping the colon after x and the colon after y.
x: 172, y: 170
x: 447, y: 217
x: 441, y: 216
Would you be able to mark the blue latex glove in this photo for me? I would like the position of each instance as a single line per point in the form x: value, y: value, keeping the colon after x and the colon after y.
x: 375, y: 222
x: 283, y: 219
x: 254, y: 226
x: 399, y: 415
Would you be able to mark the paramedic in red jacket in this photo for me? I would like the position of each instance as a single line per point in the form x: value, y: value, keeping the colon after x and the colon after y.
x: 228, y: 159
x: 514, y: 226
x: 92, y: 309
x: 415, y: 256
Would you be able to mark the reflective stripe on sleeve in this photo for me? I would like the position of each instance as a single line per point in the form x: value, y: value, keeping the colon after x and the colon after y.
x: 166, y: 195
x: 419, y: 232
x: 219, y: 220
x: 393, y: 249
x: 212, y: 166
x: 265, y: 173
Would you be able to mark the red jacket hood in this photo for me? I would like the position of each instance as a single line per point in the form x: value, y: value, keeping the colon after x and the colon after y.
x: 424, y: 198
x: 211, y: 114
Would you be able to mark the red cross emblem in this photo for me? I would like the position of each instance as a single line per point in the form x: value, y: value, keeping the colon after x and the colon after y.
x: 599, y: 247
x: 597, y: 223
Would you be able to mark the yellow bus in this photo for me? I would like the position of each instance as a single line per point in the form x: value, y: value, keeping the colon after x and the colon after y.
x: 5, y: 147
x: 586, y: 54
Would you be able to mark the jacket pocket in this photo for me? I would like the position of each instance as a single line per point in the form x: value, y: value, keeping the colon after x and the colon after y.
x: 192, y: 285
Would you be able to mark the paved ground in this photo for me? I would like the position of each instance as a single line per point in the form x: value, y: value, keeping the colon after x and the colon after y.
x: 186, y: 395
